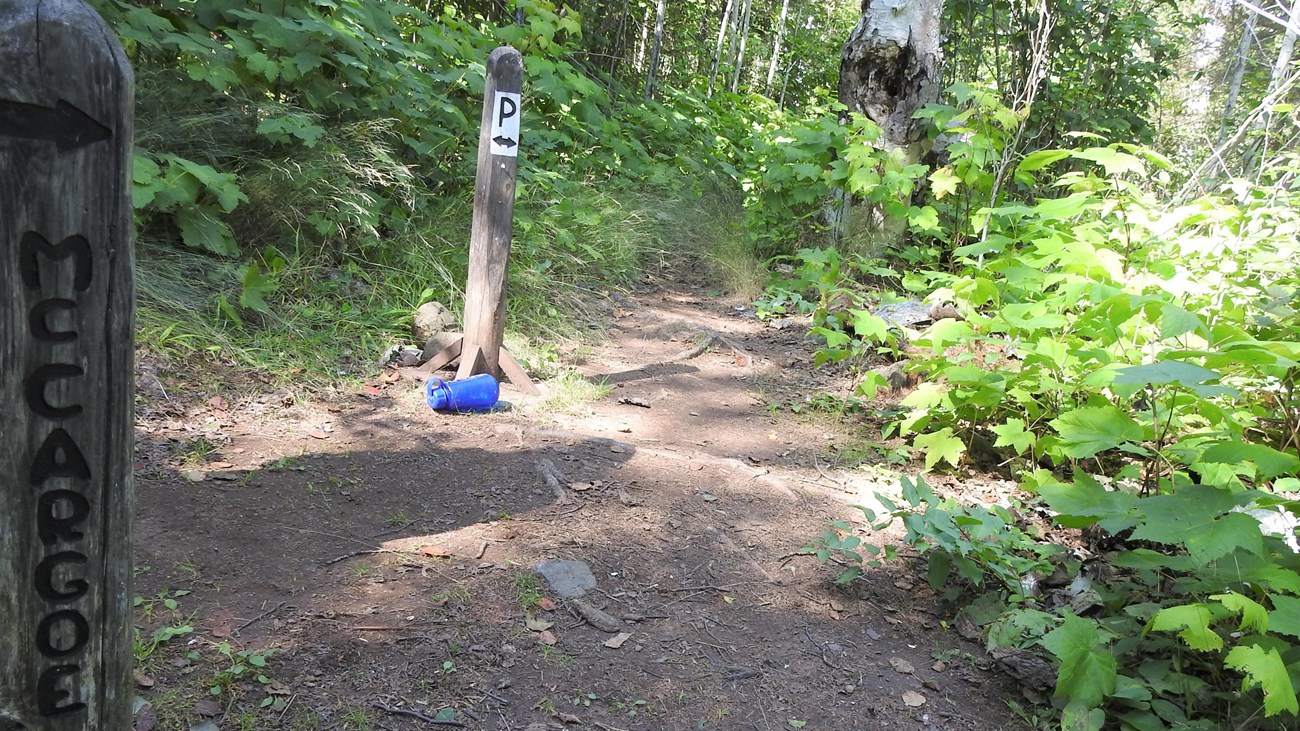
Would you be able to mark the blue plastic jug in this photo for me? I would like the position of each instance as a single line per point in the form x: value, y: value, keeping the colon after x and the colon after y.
x: 476, y: 393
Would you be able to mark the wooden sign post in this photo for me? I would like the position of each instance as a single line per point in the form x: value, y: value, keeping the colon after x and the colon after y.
x: 480, y: 349
x: 66, y: 370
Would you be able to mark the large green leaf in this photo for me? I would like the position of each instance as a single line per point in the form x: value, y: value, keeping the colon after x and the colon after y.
x: 1086, y: 502
x: 1197, y: 517
x: 1165, y: 371
x: 1087, y: 673
x: 1040, y: 159
x: 1265, y: 669
x: 1013, y: 434
x: 1114, y: 161
x: 1269, y: 462
x: 1087, y: 431
x: 1285, y: 617
x: 1192, y: 623
x: 1254, y: 617
x: 940, y: 445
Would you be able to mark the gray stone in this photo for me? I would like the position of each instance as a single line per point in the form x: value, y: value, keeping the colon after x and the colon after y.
x: 430, y: 319
x: 570, y: 579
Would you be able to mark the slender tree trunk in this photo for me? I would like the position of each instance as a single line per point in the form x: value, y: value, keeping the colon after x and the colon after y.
x: 740, y: 49
x: 1257, y: 153
x: 620, y: 42
x: 717, y: 53
x: 1239, y: 72
x: 654, y: 50
x: 776, y: 46
x: 643, y: 41
x: 1282, y: 66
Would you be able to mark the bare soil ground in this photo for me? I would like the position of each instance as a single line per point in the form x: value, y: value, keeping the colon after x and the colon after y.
x: 379, y: 558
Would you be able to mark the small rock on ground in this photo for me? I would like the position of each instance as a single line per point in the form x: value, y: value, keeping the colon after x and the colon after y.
x: 570, y: 579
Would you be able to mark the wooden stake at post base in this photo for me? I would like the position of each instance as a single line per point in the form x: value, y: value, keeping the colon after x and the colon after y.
x: 480, y: 349
x: 66, y: 370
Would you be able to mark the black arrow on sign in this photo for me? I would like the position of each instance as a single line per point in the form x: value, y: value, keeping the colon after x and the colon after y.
x: 63, y: 124
x: 505, y: 142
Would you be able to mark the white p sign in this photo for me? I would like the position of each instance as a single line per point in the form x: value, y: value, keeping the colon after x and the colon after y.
x: 504, y: 135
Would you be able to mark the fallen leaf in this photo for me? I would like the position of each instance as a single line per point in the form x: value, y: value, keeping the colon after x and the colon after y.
x: 208, y: 708
x: 837, y: 606
x: 435, y: 551
x: 221, y: 630
x: 566, y: 718
x: 317, y: 434
x: 546, y: 604
x: 372, y: 391
x: 904, y: 584
x: 617, y: 640
x: 143, y: 680
x: 939, y: 666
x: 582, y: 486
x: 931, y: 684
x: 547, y: 637
x: 218, y: 403
x: 728, y: 599
x: 616, y: 449
x: 195, y: 475
x: 708, y: 497
x: 535, y: 624
x: 913, y: 699
x: 901, y: 665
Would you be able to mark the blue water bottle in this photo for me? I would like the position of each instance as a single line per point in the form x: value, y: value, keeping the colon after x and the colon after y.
x: 476, y: 393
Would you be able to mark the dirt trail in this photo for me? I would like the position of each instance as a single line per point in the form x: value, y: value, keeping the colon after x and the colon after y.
x: 386, y: 553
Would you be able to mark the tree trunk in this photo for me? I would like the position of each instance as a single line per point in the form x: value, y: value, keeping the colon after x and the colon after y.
x: 776, y: 46
x: 743, y: 32
x: 890, y: 69
x: 620, y: 42
x: 654, y: 50
x: 1234, y: 89
x: 1281, y: 68
x: 717, y: 53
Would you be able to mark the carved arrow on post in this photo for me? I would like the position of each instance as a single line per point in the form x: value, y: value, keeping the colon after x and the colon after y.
x: 63, y: 124
x: 504, y: 141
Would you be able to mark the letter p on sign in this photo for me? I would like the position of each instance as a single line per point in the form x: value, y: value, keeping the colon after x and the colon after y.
x: 505, y: 125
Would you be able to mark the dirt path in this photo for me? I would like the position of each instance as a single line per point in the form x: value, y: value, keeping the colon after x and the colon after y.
x: 387, y: 554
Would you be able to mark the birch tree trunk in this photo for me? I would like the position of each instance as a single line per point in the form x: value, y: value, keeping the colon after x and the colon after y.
x: 776, y: 46
x: 1234, y: 88
x: 1282, y: 66
x: 717, y: 53
x: 654, y: 50
x: 743, y: 32
x: 890, y: 68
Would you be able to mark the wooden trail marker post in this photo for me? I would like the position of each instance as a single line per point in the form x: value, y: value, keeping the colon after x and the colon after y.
x: 66, y: 370
x: 480, y: 350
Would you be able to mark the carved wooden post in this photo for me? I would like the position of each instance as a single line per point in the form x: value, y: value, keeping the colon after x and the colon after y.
x: 480, y: 349
x: 65, y: 370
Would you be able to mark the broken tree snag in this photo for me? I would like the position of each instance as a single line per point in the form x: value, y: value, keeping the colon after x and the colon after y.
x: 494, y: 204
x: 890, y: 68
x: 66, y: 360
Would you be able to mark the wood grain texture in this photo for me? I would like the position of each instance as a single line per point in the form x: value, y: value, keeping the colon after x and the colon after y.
x: 489, y: 247
x: 66, y: 378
